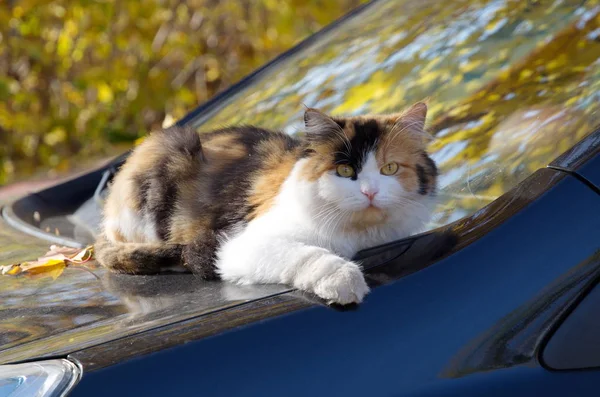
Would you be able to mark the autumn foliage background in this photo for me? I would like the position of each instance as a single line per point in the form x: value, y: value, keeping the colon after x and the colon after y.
x: 83, y: 79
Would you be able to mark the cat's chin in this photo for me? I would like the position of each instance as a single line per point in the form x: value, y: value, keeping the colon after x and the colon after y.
x: 368, y: 217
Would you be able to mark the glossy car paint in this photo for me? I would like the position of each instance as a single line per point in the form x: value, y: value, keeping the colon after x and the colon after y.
x: 575, y: 343
x: 472, y: 322
x: 591, y: 172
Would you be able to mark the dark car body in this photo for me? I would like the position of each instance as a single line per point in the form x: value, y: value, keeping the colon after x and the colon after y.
x: 496, y: 297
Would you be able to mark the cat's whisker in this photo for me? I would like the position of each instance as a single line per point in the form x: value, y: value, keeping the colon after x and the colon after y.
x: 332, y: 226
x: 331, y: 220
x: 346, y: 153
x: 324, y: 212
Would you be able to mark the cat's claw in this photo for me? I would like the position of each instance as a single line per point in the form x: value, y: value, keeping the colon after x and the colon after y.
x: 344, y: 286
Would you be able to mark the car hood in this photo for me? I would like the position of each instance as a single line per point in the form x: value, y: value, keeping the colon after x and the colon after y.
x: 85, y: 306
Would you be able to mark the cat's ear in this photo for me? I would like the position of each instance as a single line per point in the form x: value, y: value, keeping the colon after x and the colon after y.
x: 415, y: 116
x: 320, y: 126
x: 412, y: 123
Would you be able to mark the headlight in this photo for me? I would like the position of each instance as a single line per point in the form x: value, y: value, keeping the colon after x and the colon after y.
x: 51, y: 378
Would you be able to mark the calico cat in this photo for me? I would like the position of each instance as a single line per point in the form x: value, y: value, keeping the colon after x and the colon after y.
x: 250, y: 205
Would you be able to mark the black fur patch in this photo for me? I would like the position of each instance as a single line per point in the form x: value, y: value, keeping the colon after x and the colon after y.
x: 142, y: 183
x: 423, y: 182
x: 306, y: 152
x: 183, y: 140
x: 432, y: 168
x: 152, y: 261
x: 165, y: 197
x: 428, y: 172
x: 364, y: 140
x: 341, y: 123
x: 201, y: 255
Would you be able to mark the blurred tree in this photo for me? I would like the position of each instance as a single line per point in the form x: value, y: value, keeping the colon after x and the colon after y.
x: 79, y: 77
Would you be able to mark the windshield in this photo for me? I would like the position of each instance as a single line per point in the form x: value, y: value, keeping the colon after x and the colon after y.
x: 511, y: 85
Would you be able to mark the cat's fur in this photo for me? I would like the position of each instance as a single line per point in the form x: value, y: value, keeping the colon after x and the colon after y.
x: 257, y: 206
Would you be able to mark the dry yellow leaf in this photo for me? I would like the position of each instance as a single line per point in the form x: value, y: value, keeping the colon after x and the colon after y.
x: 53, y: 263
x: 38, y: 267
x: 10, y: 269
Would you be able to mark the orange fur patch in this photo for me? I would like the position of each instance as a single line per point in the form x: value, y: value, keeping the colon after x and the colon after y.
x: 316, y: 165
x: 366, y: 218
x: 277, y: 165
x: 404, y: 152
x: 224, y: 144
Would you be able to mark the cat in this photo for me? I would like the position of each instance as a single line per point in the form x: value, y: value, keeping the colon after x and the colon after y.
x: 249, y: 205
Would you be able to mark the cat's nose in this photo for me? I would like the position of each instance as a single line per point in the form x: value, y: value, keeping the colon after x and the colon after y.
x: 370, y: 193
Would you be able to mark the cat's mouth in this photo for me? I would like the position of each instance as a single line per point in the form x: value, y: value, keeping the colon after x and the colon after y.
x: 373, y: 209
x: 369, y: 216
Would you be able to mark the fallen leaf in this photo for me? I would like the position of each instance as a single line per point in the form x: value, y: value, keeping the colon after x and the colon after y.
x: 54, y: 273
x: 42, y: 265
x: 14, y: 270
x: 63, y: 250
x: 10, y: 269
x: 53, y: 263
x: 84, y: 255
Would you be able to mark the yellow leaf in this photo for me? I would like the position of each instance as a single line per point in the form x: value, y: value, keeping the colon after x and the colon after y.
x: 427, y: 78
x: 470, y: 66
x: 212, y: 74
x: 55, y: 272
x: 14, y: 270
x: 460, y: 110
x: 525, y: 74
x: 41, y: 266
x: 10, y: 269
x: 53, y: 263
x: 84, y: 255
x: 571, y: 101
x: 555, y: 64
x: 57, y: 135
x: 105, y: 94
x: 64, y: 46
x: 17, y: 12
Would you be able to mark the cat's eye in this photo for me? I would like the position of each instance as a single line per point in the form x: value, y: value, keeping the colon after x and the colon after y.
x: 389, y: 169
x: 345, y: 170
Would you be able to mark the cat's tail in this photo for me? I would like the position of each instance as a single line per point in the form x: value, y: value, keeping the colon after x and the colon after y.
x: 138, y: 258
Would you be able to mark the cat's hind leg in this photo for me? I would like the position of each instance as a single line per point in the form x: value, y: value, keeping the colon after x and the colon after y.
x: 137, y: 258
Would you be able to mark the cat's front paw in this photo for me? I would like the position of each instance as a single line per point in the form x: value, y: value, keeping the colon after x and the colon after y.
x: 344, y: 286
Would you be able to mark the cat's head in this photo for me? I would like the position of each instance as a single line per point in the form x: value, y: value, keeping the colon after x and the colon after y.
x: 374, y: 169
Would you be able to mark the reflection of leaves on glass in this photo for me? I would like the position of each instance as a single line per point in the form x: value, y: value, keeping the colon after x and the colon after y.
x: 511, y: 85
x: 78, y: 75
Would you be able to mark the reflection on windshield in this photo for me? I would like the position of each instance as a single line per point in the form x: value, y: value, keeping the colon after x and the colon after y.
x: 511, y: 85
